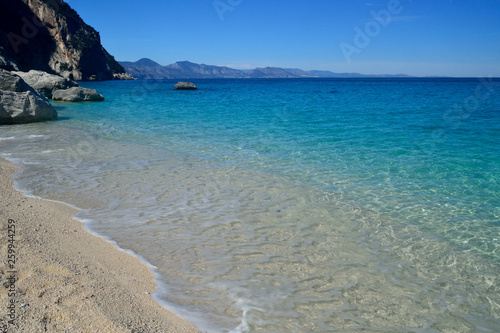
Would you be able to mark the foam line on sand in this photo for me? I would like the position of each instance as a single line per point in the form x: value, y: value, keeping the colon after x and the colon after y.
x: 64, y: 279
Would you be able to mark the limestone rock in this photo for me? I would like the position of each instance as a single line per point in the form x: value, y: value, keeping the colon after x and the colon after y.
x: 123, y: 76
x: 49, y: 35
x: 185, y: 86
x: 46, y: 83
x: 19, y: 103
x: 77, y: 94
x: 12, y: 82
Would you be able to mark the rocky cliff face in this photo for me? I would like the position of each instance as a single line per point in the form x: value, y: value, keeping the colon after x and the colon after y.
x: 49, y: 35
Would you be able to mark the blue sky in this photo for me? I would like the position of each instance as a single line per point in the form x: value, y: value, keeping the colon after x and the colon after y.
x: 419, y: 37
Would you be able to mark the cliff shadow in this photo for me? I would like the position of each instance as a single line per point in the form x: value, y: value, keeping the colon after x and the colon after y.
x: 24, y: 37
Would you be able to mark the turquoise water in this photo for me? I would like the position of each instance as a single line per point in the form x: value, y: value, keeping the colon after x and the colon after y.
x: 336, y: 205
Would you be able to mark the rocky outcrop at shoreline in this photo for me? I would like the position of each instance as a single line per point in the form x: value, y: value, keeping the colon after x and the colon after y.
x: 46, y: 83
x: 24, y: 95
x: 49, y: 35
x: 20, y: 103
x: 44, y: 47
x: 77, y: 94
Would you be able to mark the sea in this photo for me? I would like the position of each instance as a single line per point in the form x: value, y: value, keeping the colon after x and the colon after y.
x: 289, y: 205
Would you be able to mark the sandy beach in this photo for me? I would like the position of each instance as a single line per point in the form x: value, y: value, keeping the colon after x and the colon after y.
x: 61, y: 278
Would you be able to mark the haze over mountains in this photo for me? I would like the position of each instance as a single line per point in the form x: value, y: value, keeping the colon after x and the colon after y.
x: 147, y: 69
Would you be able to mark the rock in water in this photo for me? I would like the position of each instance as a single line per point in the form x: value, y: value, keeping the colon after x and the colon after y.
x: 24, y: 107
x: 19, y: 103
x: 77, y: 94
x: 46, y: 83
x: 185, y: 86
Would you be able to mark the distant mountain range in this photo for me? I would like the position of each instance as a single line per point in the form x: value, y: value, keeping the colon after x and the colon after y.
x: 147, y: 69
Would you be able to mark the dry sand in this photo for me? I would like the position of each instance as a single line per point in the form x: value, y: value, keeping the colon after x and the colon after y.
x: 66, y: 279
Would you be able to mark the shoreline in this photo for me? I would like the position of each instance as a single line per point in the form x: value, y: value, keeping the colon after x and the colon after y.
x: 65, y: 278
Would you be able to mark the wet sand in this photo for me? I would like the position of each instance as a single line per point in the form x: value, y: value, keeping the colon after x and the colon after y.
x: 65, y: 279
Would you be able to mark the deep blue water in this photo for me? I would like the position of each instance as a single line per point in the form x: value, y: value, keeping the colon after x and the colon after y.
x: 308, y: 205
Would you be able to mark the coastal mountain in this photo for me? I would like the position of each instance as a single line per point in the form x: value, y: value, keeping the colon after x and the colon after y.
x: 147, y: 69
x: 182, y: 68
x: 271, y: 73
x: 49, y: 35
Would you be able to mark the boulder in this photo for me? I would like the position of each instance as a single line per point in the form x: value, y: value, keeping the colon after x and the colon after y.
x: 12, y: 82
x: 77, y: 94
x: 185, y: 86
x: 46, y: 83
x: 19, y: 103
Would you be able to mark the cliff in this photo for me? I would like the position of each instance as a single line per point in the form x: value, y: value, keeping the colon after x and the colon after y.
x: 49, y: 35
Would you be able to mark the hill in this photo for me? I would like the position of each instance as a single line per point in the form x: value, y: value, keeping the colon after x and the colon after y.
x: 147, y: 69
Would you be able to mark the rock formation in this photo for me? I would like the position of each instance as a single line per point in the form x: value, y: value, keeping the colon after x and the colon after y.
x: 77, y: 94
x: 45, y: 83
x: 185, y: 86
x: 49, y: 35
x: 20, y: 103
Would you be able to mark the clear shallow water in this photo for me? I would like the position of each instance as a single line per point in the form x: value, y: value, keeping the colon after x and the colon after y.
x: 290, y: 205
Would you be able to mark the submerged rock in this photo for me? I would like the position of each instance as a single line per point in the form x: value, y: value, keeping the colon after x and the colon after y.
x: 185, y: 86
x: 46, y: 83
x: 77, y: 94
x: 20, y: 103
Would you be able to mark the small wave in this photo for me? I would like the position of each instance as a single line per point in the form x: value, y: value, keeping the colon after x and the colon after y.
x: 244, y: 326
x: 51, y: 151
